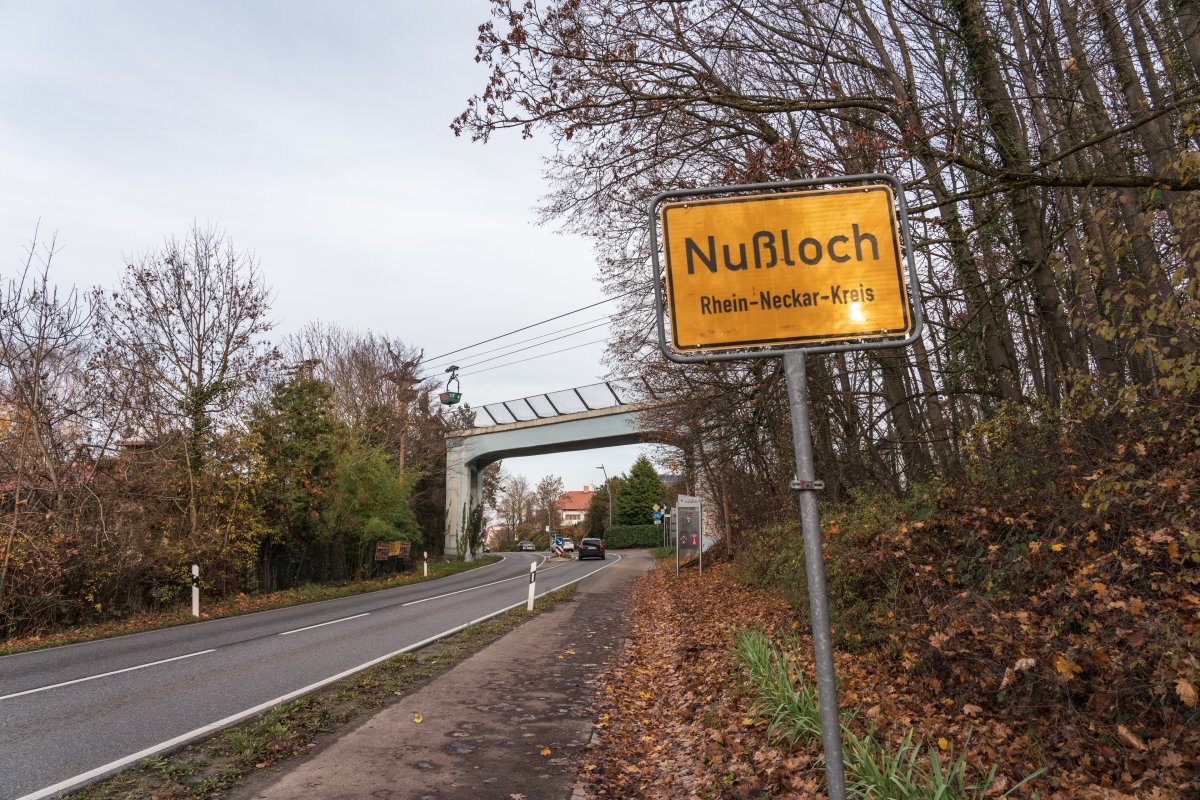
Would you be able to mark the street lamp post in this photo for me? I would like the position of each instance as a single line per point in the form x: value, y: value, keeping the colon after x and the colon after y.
x: 608, y: 487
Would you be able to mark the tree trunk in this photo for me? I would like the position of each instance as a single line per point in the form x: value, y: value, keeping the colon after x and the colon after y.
x: 1156, y: 139
x: 1032, y: 255
x: 938, y: 429
x: 1188, y: 14
x: 916, y: 457
x: 975, y: 290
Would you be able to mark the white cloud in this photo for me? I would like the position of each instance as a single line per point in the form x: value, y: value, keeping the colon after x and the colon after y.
x: 316, y: 134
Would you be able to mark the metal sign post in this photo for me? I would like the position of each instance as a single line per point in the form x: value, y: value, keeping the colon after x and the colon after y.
x: 814, y: 571
x: 786, y: 269
x: 677, y: 544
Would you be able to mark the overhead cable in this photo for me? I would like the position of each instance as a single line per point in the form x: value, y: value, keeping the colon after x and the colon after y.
x: 534, y: 325
x: 576, y: 328
x: 529, y: 347
x: 533, y: 358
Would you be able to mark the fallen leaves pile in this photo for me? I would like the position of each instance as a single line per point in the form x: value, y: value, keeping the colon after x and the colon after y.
x: 675, y: 718
x: 672, y: 719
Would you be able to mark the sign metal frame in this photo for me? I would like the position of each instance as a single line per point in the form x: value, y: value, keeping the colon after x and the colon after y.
x: 774, y: 351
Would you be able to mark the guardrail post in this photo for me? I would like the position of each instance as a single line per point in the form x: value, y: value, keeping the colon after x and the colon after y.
x: 195, y: 590
x: 532, y: 585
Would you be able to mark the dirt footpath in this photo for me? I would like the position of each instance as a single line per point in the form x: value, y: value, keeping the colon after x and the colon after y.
x: 509, y: 722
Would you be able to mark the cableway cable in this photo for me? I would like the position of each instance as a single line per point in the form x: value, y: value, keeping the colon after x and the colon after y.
x: 534, y: 325
x: 574, y: 329
x: 529, y: 347
x: 543, y: 355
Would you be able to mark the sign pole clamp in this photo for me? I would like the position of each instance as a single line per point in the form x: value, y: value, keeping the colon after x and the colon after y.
x: 806, y: 486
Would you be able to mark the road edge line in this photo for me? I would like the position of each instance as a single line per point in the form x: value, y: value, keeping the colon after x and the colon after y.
x: 188, y: 623
x: 103, y: 771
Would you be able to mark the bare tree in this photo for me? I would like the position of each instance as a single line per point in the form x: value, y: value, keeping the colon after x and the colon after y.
x: 514, y: 500
x: 183, y: 335
x: 44, y: 345
x: 548, y: 490
x: 375, y: 383
x: 1043, y: 147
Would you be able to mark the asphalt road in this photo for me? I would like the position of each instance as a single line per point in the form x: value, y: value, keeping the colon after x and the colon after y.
x: 69, y: 715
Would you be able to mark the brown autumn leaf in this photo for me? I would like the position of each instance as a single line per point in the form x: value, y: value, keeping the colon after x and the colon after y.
x: 1186, y: 692
x: 680, y: 645
x: 1130, y: 738
x: 1065, y: 667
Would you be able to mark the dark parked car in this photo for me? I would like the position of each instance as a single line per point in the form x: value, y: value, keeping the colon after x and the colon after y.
x: 591, y: 548
x: 526, y: 546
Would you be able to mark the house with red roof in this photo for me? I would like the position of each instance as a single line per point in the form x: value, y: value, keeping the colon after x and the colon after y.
x: 572, y: 506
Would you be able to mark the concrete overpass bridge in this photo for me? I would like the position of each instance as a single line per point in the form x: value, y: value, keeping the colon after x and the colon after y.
x: 587, y: 417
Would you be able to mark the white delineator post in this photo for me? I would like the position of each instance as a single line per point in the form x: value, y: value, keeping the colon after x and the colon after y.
x: 426, y: 564
x: 532, y: 585
x: 195, y: 590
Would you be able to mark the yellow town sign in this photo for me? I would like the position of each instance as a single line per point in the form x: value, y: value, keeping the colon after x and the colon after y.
x: 778, y: 269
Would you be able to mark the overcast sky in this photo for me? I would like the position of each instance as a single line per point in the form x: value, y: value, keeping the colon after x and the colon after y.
x: 316, y: 135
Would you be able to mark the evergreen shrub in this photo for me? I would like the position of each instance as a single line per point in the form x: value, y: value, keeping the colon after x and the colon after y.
x: 621, y: 536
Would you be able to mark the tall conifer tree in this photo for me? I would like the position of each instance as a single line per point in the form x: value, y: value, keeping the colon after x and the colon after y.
x: 639, y: 492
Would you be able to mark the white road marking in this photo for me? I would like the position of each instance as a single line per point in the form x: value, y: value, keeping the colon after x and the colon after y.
x: 323, y: 624
x: 218, y: 621
x: 101, y: 675
x: 213, y: 727
x: 460, y: 591
x: 522, y: 576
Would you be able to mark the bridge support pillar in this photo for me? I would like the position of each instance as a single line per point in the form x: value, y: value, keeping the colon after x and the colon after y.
x: 464, y: 489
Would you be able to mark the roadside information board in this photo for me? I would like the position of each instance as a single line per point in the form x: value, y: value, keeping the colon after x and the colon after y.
x: 787, y: 268
x: 689, y: 531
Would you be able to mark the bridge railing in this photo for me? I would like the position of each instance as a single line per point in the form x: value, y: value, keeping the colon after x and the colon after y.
x: 595, y: 396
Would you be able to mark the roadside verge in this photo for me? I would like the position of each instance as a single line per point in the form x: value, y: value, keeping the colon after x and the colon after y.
x: 512, y: 719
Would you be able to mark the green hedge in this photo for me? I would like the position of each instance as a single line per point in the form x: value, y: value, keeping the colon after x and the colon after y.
x: 619, y: 536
